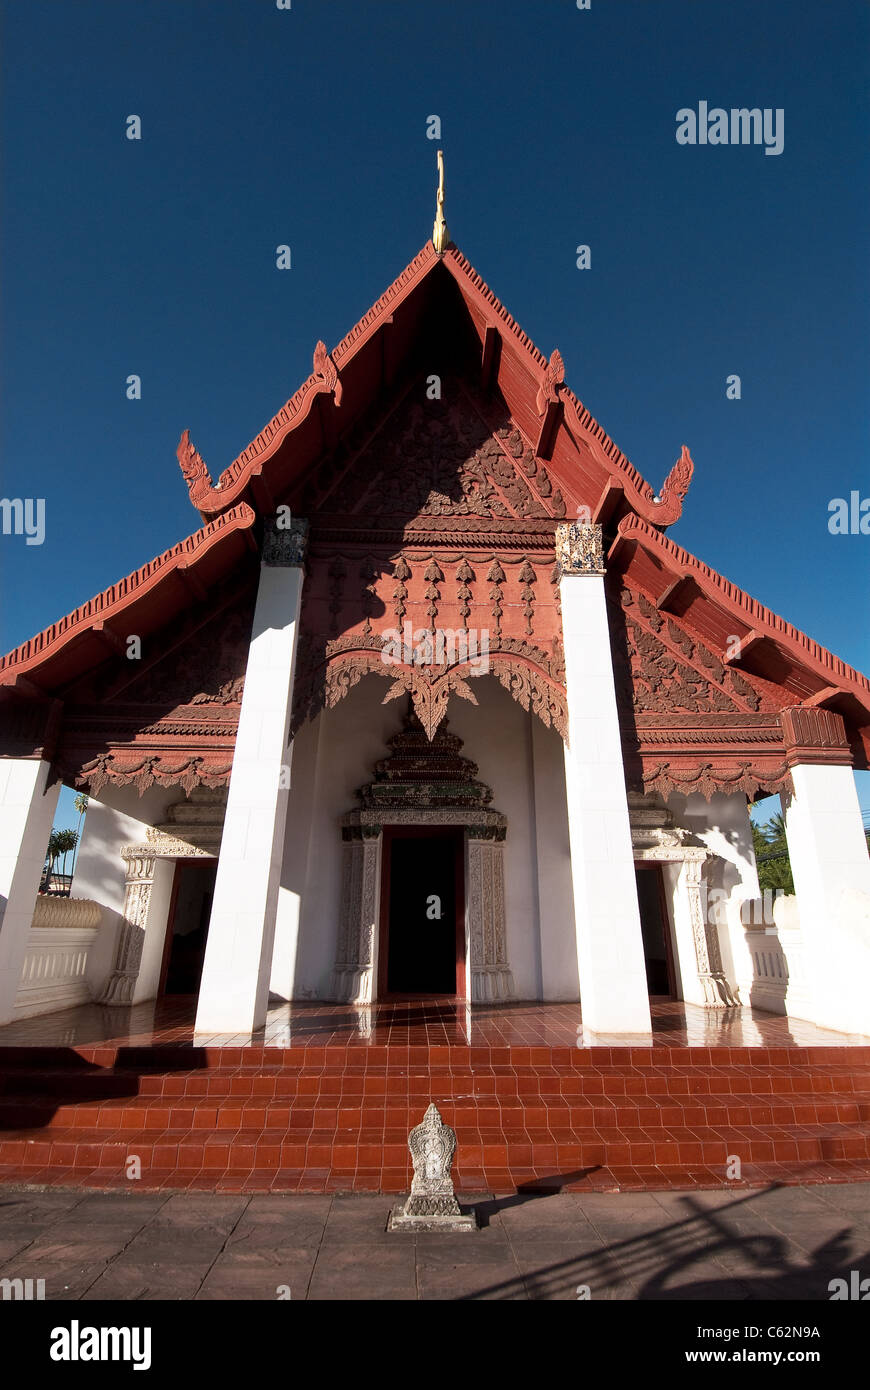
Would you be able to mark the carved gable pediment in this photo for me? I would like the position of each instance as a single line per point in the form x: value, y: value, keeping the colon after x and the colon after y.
x: 170, y: 717
x: 661, y: 668
x: 208, y: 668
x: 457, y: 456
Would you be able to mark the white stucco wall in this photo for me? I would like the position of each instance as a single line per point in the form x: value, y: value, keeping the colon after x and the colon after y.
x: 120, y: 817
x: 558, y: 951
x: 336, y: 755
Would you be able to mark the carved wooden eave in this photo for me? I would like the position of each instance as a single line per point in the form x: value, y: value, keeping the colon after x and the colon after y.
x: 140, y: 603
x: 771, y: 655
x: 168, y: 718
x: 328, y: 672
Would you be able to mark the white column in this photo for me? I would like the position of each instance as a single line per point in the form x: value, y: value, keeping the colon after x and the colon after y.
x: 234, y: 991
x: 298, y: 850
x: 26, y: 817
x: 831, y: 870
x: 613, y: 988
x: 559, y: 980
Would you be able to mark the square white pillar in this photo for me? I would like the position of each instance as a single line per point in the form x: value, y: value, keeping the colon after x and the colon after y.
x: 559, y: 979
x: 234, y: 991
x: 831, y: 870
x: 26, y: 817
x: 613, y: 988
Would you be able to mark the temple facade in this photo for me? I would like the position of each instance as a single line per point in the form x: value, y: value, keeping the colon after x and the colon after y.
x: 430, y: 705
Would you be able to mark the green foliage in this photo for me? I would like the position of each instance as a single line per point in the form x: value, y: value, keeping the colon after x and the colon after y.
x: 60, y: 844
x: 771, y: 855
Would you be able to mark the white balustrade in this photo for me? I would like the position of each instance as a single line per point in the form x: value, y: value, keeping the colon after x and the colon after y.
x: 55, y: 964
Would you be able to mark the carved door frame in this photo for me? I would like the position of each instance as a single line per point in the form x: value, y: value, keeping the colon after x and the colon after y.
x: 717, y: 991
x: 488, y: 977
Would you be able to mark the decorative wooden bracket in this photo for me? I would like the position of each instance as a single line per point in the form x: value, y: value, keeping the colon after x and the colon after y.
x: 196, y: 474
x: 326, y: 373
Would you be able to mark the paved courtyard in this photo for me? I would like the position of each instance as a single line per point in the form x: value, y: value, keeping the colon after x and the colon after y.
x: 775, y: 1243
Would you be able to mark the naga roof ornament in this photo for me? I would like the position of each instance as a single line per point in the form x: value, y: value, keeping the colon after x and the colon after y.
x: 552, y: 380
x: 669, y: 504
x: 195, y: 470
x: 326, y: 372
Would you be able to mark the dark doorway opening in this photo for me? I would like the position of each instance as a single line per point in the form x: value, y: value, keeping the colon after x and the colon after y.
x: 422, y: 912
x: 187, y: 927
x: 656, y: 930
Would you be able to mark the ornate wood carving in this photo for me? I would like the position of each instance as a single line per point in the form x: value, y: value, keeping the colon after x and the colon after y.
x: 815, y: 736
x: 496, y: 577
x: 552, y: 380
x: 672, y: 671
x: 465, y: 575
x: 325, y: 373
x: 173, y: 722
x: 401, y: 572
x: 194, y: 469
x: 689, y: 722
x: 434, y: 575
x: 527, y: 578
x: 420, y: 771
x: 676, y: 484
x: 531, y: 677
x: 435, y: 458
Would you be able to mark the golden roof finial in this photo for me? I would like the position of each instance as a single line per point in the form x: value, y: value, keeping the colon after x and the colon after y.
x: 440, y: 236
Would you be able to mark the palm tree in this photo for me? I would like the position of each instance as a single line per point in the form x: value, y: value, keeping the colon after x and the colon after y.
x: 771, y: 855
x: 775, y: 829
x: 81, y: 805
x: 66, y: 840
x: 51, y: 854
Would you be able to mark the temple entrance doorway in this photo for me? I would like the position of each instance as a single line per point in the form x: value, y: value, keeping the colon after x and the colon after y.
x: 656, y: 930
x: 422, y: 937
x: 187, y: 926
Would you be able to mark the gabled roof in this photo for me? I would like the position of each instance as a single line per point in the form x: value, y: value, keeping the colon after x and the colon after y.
x: 141, y: 603
x: 585, y: 463
x: 345, y: 382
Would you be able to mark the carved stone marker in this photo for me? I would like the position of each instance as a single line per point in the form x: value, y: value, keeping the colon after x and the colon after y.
x: 432, y: 1205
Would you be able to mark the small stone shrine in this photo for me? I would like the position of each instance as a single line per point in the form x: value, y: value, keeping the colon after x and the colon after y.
x: 432, y: 1205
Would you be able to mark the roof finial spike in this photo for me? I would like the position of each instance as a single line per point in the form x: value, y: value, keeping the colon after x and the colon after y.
x: 440, y: 236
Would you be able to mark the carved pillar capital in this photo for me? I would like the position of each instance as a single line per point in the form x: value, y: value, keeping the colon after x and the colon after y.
x: 816, y: 736
x: 579, y: 548
x: 284, y: 544
x: 139, y: 862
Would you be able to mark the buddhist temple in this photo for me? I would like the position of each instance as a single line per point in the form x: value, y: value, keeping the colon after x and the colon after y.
x: 429, y: 709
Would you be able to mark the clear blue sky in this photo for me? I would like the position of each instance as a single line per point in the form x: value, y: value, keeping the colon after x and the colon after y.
x: 308, y: 126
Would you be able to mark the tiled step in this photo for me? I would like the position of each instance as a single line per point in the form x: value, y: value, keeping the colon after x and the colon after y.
x: 265, y: 1060
x: 323, y: 1119
x: 468, y: 1181
x: 293, y: 1081
x: 21, y: 1111
x: 525, y: 1152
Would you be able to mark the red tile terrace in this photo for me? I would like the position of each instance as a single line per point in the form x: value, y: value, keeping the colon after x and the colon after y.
x: 323, y: 1098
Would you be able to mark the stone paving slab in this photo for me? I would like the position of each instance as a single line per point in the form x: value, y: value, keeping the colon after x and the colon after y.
x: 786, y: 1242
